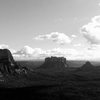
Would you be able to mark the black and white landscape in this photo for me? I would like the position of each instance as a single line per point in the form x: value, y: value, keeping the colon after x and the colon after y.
x: 52, y: 79
x: 50, y: 49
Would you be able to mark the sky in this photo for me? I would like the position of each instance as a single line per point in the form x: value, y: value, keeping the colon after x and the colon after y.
x: 67, y: 28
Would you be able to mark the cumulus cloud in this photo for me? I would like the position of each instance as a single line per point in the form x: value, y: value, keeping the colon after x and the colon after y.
x: 91, y: 31
x: 12, y: 50
x: 4, y: 46
x: 74, y: 36
x: 77, y: 45
x: 59, y: 52
x: 27, y: 51
x: 37, y: 53
x: 71, y: 54
x: 57, y: 37
x: 93, y: 53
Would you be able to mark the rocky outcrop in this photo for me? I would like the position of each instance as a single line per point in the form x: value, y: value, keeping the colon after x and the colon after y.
x: 7, y: 63
x: 22, y: 70
x: 87, y: 66
x: 57, y: 63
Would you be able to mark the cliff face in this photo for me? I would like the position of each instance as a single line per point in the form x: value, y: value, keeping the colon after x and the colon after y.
x: 55, y: 63
x: 7, y: 63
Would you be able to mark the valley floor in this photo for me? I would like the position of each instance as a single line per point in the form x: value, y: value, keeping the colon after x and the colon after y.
x: 57, y: 86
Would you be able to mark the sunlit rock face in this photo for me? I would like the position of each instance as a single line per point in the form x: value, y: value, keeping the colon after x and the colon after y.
x: 7, y: 63
x: 55, y: 63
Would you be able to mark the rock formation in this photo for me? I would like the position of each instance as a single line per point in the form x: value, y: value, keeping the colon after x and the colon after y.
x: 7, y: 63
x: 58, y: 63
x: 87, y: 66
x: 22, y: 69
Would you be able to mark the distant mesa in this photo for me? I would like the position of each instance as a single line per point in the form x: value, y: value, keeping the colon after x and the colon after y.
x: 59, y: 63
x: 87, y: 66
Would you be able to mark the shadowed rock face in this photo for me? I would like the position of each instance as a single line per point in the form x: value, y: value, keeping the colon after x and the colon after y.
x: 7, y: 63
x: 87, y: 66
x: 55, y: 63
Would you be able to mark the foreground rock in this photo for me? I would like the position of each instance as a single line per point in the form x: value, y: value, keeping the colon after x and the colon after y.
x: 57, y: 63
x: 7, y: 63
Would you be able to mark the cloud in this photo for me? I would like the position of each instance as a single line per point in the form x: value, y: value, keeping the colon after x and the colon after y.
x: 94, y: 52
x: 27, y: 51
x: 91, y: 53
x: 37, y: 53
x: 12, y: 50
x: 42, y: 37
x: 59, y: 52
x: 4, y: 46
x: 74, y: 36
x: 77, y: 45
x: 71, y: 53
x: 91, y: 31
x: 57, y: 37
